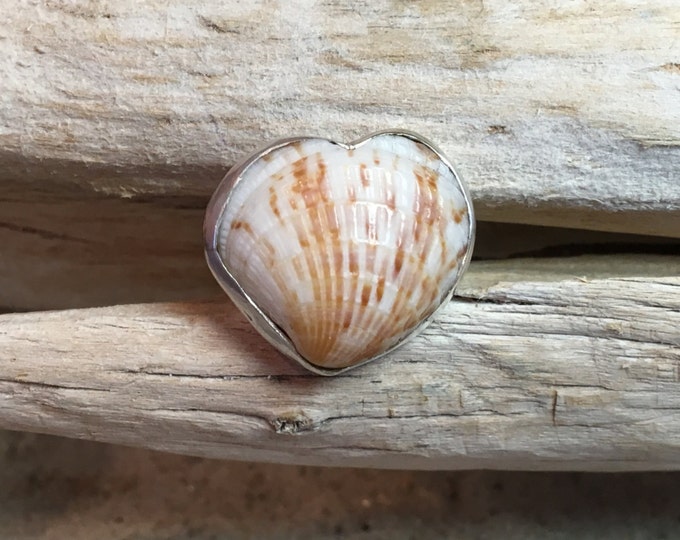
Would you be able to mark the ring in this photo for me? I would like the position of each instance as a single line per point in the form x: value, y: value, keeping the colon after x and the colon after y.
x: 338, y: 253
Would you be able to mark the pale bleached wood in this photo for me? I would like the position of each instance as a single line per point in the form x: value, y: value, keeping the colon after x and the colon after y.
x: 556, y: 113
x: 514, y: 374
x: 60, y: 252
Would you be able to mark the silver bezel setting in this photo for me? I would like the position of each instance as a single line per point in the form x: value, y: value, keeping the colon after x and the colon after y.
x: 260, y: 320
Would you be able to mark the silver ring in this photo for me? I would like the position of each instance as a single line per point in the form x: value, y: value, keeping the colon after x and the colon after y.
x: 339, y: 253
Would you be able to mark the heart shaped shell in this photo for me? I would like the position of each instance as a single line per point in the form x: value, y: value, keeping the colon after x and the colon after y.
x: 347, y: 249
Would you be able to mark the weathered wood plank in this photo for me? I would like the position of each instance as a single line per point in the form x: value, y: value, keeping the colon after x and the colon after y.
x: 514, y: 374
x: 60, y: 252
x: 556, y: 113
x: 70, y: 250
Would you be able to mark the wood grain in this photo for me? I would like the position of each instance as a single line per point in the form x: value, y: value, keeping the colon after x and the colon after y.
x: 556, y: 113
x: 68, y: 250
x: 516, y: 373
x: 118, y: 118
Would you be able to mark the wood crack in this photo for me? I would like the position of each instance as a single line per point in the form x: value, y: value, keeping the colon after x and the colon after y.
x: 229, y: 377
x: 37, y: 384
x: 42, y: 233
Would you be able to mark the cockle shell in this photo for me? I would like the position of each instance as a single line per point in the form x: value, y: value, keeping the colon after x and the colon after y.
x: 341, y: 251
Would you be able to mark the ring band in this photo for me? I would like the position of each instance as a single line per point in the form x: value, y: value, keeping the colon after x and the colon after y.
x: 338, y: 253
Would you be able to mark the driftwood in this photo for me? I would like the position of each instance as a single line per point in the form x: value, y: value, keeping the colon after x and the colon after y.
x: 544, y: 374
x: 118, y: 119
x: 556, y: 114
x: 58, y: 253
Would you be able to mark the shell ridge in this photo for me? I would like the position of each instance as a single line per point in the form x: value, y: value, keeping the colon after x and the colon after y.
x: 372, y: 321
x: 307, y: 341
x: 433, y: 217
x: 329, y: 333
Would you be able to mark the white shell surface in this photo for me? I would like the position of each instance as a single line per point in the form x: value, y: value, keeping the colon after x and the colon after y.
x: 347, y: 250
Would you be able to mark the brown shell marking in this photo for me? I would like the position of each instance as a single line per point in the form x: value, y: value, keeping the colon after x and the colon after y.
x: 315, y: 337
x: 316, y: 327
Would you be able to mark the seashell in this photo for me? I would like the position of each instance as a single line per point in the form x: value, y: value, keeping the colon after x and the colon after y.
x: 339, y: 252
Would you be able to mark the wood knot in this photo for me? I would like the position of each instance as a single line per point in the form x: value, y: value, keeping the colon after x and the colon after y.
x: 292, y: 423
x: 497, y: 129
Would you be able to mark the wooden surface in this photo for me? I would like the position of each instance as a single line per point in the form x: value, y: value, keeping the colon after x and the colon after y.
x: 516, y: 373
x: 556, y: 113
x: 64, y: 253
x: 118, y: 118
